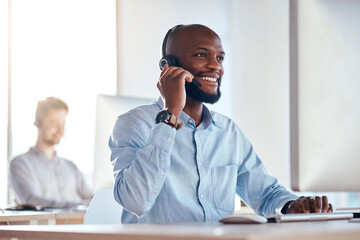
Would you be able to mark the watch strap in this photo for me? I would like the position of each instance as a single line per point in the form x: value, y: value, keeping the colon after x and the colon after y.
x: 173, y: 121
x: 168, y: 118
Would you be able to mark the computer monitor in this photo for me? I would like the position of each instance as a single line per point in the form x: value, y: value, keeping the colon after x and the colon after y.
x: 107, y: 110
x: 325, y: 95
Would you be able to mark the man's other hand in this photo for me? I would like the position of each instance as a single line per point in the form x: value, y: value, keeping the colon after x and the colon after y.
x: 314, y: 204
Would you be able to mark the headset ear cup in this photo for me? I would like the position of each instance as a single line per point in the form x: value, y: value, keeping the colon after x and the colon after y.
x: 37, y: 123
x: 168, y: 59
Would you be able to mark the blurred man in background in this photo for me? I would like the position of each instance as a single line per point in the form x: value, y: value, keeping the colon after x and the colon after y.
x: 40, y: 177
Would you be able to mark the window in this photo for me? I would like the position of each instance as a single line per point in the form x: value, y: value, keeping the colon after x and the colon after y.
x: 67, y: 49
x: 3, y: 99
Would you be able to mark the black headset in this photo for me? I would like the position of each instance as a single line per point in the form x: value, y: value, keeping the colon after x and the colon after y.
x: 167, y: 59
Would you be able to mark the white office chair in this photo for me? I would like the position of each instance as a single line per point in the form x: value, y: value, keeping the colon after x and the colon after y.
x: 103, y: 209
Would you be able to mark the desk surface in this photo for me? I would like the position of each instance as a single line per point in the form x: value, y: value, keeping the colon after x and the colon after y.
x: 70, y: 217
x: 194, y: 231
x: 22, y: 217
x: 25, y: 216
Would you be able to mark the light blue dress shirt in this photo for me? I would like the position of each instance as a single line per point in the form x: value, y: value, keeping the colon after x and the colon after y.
x: 187, y: 175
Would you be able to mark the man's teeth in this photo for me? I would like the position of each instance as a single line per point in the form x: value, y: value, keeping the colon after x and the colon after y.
x: 209, y: 79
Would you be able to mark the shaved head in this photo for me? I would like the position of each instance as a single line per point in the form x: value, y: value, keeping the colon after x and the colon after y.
x: 180, y: 35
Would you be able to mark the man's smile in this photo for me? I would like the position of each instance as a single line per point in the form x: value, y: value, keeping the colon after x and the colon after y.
x: 211, y: 79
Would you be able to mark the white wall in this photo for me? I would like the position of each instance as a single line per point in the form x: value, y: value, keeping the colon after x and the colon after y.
x: 261, y: 80
x: 329, y: 99
x: 62, y: 48
x: 255, y: 38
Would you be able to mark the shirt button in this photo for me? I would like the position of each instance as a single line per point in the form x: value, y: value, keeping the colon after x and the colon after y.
x: 190, y: 121
x: 162, y: 173
x: 169, y: 139
x: 199, y: 163
x: 201, y: 196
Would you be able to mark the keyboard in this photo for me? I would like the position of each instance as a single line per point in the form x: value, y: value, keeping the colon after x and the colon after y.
x: 303, y: 217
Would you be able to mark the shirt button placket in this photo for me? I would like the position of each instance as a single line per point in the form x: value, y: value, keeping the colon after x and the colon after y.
x: 199, y: 163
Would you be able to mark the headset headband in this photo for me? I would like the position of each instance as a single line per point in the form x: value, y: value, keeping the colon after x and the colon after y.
x: 165, y: 39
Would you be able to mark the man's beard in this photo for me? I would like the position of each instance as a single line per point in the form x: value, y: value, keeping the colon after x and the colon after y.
x: 196, y: 93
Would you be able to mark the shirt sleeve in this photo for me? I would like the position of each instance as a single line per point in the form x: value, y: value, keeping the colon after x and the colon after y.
x: 23, y: 184
x: 140, y: 162
x: 257, y: 188
x: 82, y: 187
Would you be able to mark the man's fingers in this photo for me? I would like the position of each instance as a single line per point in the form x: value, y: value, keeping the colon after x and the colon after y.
x: 306, y: 205
x: 166, y: 67
x: 325, y: 204
x: 297, y: 206
x: 188, y: 77
x: 180, y: 73
x: 176, y: 73
x: 167, y: 70
x: 312, y: 204
x: 318, y: 204
x: 159, y: 87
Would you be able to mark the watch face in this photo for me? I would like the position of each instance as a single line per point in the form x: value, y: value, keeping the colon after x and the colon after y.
x: 162, y: 116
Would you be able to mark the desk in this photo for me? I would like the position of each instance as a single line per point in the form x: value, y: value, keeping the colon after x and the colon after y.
x: 330, y: 230
x: 70, y: 217
x: 26, y: 217
x: 40, y: 218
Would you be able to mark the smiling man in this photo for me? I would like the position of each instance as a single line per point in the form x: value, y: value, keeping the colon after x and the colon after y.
x: 40, y: 177
x: 177, y: 161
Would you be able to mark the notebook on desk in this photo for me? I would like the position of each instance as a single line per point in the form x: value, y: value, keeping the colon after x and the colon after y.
x: 245, y: 218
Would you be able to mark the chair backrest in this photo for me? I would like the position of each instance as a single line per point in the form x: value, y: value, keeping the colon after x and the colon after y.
x: 103, y: 209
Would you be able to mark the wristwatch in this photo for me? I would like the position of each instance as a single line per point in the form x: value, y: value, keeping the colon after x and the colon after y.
x: 167, y: 117
x: 285, y: 208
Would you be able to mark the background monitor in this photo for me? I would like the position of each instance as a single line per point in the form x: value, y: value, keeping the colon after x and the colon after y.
x: 107, y: 110
x: 325, y: 95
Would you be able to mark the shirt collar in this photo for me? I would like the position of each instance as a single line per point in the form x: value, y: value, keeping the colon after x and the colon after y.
x: 37, y: 151
x: 207, y: 116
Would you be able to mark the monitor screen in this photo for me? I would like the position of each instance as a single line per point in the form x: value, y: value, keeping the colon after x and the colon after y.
x: 325, y: 95
x: 107, y: 110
